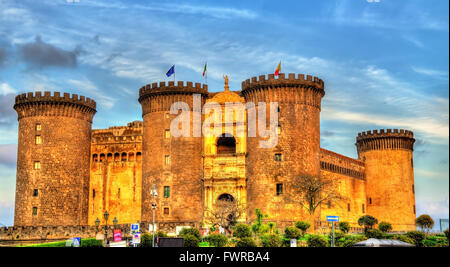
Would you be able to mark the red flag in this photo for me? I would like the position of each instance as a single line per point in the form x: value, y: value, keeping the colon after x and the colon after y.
x: 277, y: 71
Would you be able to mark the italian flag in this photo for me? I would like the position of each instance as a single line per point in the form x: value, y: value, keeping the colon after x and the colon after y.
x: 277, y: 71
x: 204, y: 70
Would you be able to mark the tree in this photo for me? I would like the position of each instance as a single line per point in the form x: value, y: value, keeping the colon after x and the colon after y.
x: 385, y: 227
x: 311, y: 192
x: 302, y: 226
x: 367, y: 221
x: 344, y: 227
x: 225, y: 213
x: 257, y: 226
x: 242, y: 230
x: 425, y: 222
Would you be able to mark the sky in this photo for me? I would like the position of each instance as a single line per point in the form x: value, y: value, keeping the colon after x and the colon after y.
x: 384, y: 64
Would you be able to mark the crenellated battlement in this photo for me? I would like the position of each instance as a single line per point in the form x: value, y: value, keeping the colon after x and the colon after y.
x: 33, y: 97
x: 385, y: 139
x: 172, y: 88
x: 385, y: 133
x: 291, y: 80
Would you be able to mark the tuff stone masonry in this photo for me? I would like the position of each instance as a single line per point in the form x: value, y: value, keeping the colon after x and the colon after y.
x: 68, y: 175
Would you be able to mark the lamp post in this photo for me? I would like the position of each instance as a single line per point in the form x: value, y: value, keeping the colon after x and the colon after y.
x: 106, y: 216
x: 97, y: 223
x: 153, y: 213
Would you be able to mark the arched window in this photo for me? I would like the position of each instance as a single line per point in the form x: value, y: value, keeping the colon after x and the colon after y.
x: 131, y: 156
x: 95, y: 158
x: 226, y: 144
x: 138, y: 156
x: 124, y: 156
x: 102, y: 157
x: 109, y: 157
x: 226, y: 197
x: 116, y: 156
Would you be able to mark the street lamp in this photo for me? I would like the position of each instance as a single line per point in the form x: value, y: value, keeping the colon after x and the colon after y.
x: 155, y: 194
x: 97, y: 223
x: 115, y: 222
x: 106, y: 216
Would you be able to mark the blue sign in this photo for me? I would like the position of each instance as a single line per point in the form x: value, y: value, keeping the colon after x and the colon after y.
x: 76, y: 241
x: 332, y: 218
x: 134, y: 227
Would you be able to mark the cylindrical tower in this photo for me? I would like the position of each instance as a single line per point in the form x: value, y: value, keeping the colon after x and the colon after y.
x: 388, y: 156
x: 173, y: 164
x: 271, y: 170
x: 52, y: 186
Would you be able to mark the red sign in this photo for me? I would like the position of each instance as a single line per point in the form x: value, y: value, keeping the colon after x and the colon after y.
x: 117, y: 235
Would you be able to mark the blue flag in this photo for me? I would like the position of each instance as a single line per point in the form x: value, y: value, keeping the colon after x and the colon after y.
x: 171, y: 71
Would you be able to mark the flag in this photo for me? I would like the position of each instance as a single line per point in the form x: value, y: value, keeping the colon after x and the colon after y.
x: 277, y: 71
x: 171, y: 71
x: 204, y: 70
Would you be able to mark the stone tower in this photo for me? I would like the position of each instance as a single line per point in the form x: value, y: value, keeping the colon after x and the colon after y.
x: 271, y: 170
x: 53, y: 155
x: 173, y: 164
x: 388, y: 156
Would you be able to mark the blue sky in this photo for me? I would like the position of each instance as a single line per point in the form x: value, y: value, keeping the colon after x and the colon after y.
x: 385, y: 65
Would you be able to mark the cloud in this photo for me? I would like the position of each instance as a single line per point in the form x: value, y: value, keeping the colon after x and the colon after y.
x: 8, y: 155
x: 7, y: 113
x: 212, y: 11
x: 431, y: 174
x: 40, y: 54
x: 91, y: 90
x: 431, y: 72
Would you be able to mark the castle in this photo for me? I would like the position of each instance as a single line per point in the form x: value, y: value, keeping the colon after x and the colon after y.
x: 69, y: 174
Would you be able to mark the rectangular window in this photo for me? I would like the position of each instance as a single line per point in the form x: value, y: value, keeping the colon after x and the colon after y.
x: 93, y: 193
x: 167, y: 116
x: 166, y: 211
x: 167, y: 133
x: 414, y: 209
x: 37, y: 165
x: 38, y: 127
x: 413, y: 189
x: 329, y: 204
x: 278, y: 129
x: 278, y: 157
x: 34, y: 210
x: 38, y: 140
x: 370, y: 200
x: 363, y: 209
x: 167, y: 157
x: 279, y: 189
x: 348, y: 207
x: 35, y: 193
x: 166, y: 191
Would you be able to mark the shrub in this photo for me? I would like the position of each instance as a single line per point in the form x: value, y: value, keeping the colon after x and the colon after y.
x: 245, y: 242
x: 417, y: 236
x: 242, y: 231
x: 91, y: 243
x: 270, y: 240
x: 317, y: 241
x: 161, y: 234
x: 146, y: 240
x: 191, y: 241
x: 425, y: 222
x: 373, y: 233
x: 404, y: 238
x: 367, y: 221
x: 349, y: 241
x: 190, y: 231
x: 338, y: 237
x: 217, y: 240
x: 344, y: 227
x: 303, y: 226
x: 446, y: 233
x: 385, y: 227
x: 292, y: 232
